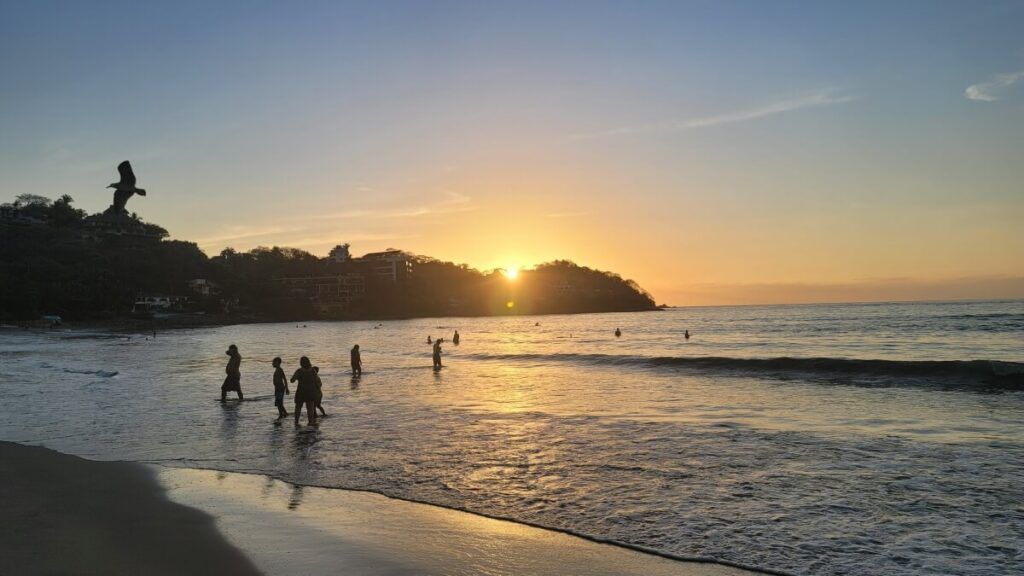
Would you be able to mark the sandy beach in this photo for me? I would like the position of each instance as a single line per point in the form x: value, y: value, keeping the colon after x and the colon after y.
x: 66, y: 515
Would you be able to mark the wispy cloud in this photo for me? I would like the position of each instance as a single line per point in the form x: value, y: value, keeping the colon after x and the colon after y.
x: 567, y: 214
x: 433, y: 211
x: 989, y: 91
x: 826, y: 97
x: 447, y: 203
x: 297, y: 236
x: 242, y: 233
x: 332, y: 239
x: 343, y: 215
x: 455, y: 197
x: 311, y: 231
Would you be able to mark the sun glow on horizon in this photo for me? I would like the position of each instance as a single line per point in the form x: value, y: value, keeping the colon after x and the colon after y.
x: 511, y: 272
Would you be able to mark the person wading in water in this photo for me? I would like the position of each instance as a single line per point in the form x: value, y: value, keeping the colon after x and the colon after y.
x: 280, y: 388
x: 233, y: 381
x: 320, y: 388
x: 357, y: 361
x: 437, y: 353
x: 306, y: 392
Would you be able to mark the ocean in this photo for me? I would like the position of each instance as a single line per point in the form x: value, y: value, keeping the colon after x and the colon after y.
x: 815, y: 439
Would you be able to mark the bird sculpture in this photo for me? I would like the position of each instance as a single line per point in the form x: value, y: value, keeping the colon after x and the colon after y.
x: 124, y: 189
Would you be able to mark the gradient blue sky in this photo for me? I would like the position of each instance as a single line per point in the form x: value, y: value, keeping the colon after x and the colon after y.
x: 716, y: 152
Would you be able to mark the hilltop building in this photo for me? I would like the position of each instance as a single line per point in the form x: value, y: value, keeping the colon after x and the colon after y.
x: 103, y: 225
x: 393, y: 265
x: 204, y: 287
x: 150, y: 303
x: 335, y: 293
x: 13, y: 215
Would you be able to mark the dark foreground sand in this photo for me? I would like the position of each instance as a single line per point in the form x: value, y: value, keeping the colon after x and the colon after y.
x: 64, y: 515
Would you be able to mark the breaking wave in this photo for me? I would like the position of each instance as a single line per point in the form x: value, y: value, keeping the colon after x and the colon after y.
x: 954, y: 373
x: 100, y: 373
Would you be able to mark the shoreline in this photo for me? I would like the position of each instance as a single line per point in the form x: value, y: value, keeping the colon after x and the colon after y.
x: 744, y: 569
x: 66, y: 513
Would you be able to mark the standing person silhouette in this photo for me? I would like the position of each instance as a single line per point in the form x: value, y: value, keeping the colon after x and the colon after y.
x: 686, y: 334
x: 357, y: 361
x: 280, y: 388
x: 320, y: 390
x: 306, y: 393
x: 455, y: 338
x: 437, y: 353
x: 233, y: 381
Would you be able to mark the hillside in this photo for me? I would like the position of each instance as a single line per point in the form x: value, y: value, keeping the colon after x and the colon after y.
x: 57, y: 260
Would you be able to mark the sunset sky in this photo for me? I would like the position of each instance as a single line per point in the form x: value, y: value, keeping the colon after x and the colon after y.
x: 715, y: 152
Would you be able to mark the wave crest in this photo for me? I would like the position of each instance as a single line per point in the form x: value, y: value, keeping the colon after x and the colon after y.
x: 882, y: 373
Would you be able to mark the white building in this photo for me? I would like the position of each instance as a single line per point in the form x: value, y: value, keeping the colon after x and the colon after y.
x: 394, y: 265
x: 203, y: 286
x: 157, y: 303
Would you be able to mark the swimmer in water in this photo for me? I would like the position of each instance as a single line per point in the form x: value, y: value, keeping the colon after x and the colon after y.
x: 618, y: 332
x: 686, y: 334
x: 455, y: 338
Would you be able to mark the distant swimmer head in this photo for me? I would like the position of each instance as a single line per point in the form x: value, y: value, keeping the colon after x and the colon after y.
x: 305, y: 363
x: 276, y: 361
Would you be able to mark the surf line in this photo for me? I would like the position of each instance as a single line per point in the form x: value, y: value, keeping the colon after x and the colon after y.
x: 567, y: 531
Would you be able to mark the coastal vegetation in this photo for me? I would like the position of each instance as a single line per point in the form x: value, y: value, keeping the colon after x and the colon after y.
x: 57, y: 260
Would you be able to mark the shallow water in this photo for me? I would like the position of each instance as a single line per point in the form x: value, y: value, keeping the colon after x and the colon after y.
x: 821, y: 463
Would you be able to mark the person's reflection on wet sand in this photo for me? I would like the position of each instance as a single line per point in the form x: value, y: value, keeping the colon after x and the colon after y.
x: 296, y: 498
x: 305, y: 440
x: 268, y: 487
x: 355, y: 382
x: 229, y: 426
x: 276, y: 438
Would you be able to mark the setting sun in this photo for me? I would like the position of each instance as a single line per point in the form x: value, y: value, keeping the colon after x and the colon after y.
x: 511, y: 272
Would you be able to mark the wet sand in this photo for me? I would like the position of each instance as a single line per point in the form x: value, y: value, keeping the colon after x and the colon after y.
x: 289, y: 529
x: 64, y: 515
